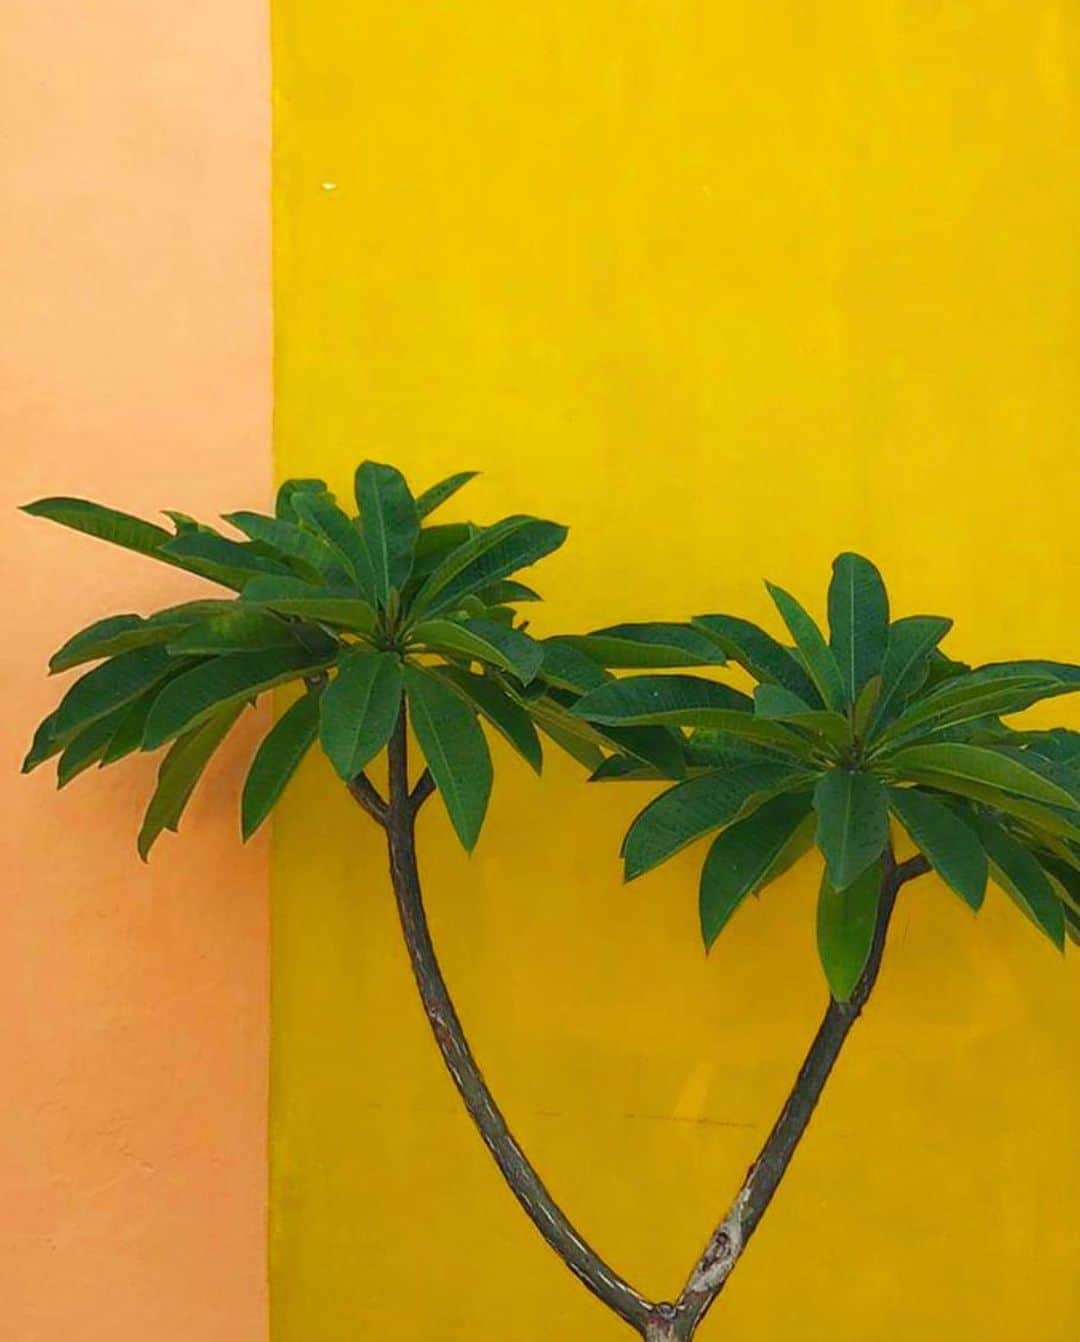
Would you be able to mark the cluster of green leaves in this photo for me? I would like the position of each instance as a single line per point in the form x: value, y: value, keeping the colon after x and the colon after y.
x: 362, y: 612
x: 839, y: 739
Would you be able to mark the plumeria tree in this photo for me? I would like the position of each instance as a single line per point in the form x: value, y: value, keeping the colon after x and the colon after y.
x: 380, y: 620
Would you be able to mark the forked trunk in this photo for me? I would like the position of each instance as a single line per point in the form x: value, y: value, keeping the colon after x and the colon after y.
x: 677, y: 1322
x: 528, y: 1188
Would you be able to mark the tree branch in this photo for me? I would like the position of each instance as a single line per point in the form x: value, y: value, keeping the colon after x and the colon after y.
x: 425, y: 786
x: 523, y: 1179
x: 369, y: 797
x: 909, y: 870
x: 730, y: 1237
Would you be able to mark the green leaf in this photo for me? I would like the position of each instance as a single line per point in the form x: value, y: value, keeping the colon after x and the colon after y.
x: 1019, y: 874
x: 742, y: 856
x: 1066, y: 776
x: 816, y: 653
x: 1065, y: 674
x: 110, y: 686
x: 570, y: 669
x: 185, y: 522
x: 963, y: 699
x: 980, y: 764
x: 853, y: 823
x: 864, y: 707
x: 291, y: 596
x: 188, y: 612
x: 106, y: 638
x: 220, y: 559
x: 359, y: 709
x: 690, y: 809
x: 483, y: 641
x: 660, y: 747
x: 1058, y: 744
x: 800, y: 843
x: 506, y: 592
x: 434, y: 544
x: 389, y: 524
x: 232, y: 678
x: 675, y: 700
x: 180, y: 770
x: 106, y: 524
x: 858, y: 621
x: 132, y: 533
x: 846, y: 920
x: 321, y: 513
x: 292, y: 541
x: 276, y: 760
x: 1053, y: 822
x: 648, y: 645
x: 103, y: 638
x: 238, y: 630
x: 455, y: 749
x: 88, y: 746
x: 773, y: 701
x: 911, y: 641
x: 1066, y: 876
x: 686, y: 701
x: 579, y: 739
x: 624, y: 769
x: 759, y: 653
x: 586, y: 752
x: 951, y: 847
x: 283, y: 505
x: 128, y: 736
x: 437, y: 495
x: 508, y: 718
x: 45, y: 744
x: 710, y: 748
x: 121, y: 633
x: 940, y: 668
x: 493, y: 553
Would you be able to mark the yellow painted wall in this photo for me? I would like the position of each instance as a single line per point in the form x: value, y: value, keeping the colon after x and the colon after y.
x: 727, y: 287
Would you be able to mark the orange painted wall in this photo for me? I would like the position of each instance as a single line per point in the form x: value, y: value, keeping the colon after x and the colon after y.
x: 134, y: 298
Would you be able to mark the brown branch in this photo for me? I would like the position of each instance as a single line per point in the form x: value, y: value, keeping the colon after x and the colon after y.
x: 425, y: 786
x: 523, y: 1179
x: 730, y: 1237
x: 369, y: 797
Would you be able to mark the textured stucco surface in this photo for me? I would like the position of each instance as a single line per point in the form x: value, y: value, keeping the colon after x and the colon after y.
x: 134, y: 292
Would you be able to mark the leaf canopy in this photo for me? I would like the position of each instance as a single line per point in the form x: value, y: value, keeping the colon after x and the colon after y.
x: 362, y: 611
x: 875, y: 727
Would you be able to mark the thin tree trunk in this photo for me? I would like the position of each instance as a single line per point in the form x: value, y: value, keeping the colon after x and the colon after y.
x: 731, y: 1236
x: 655, y: 1322
x: 526, y: 1184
